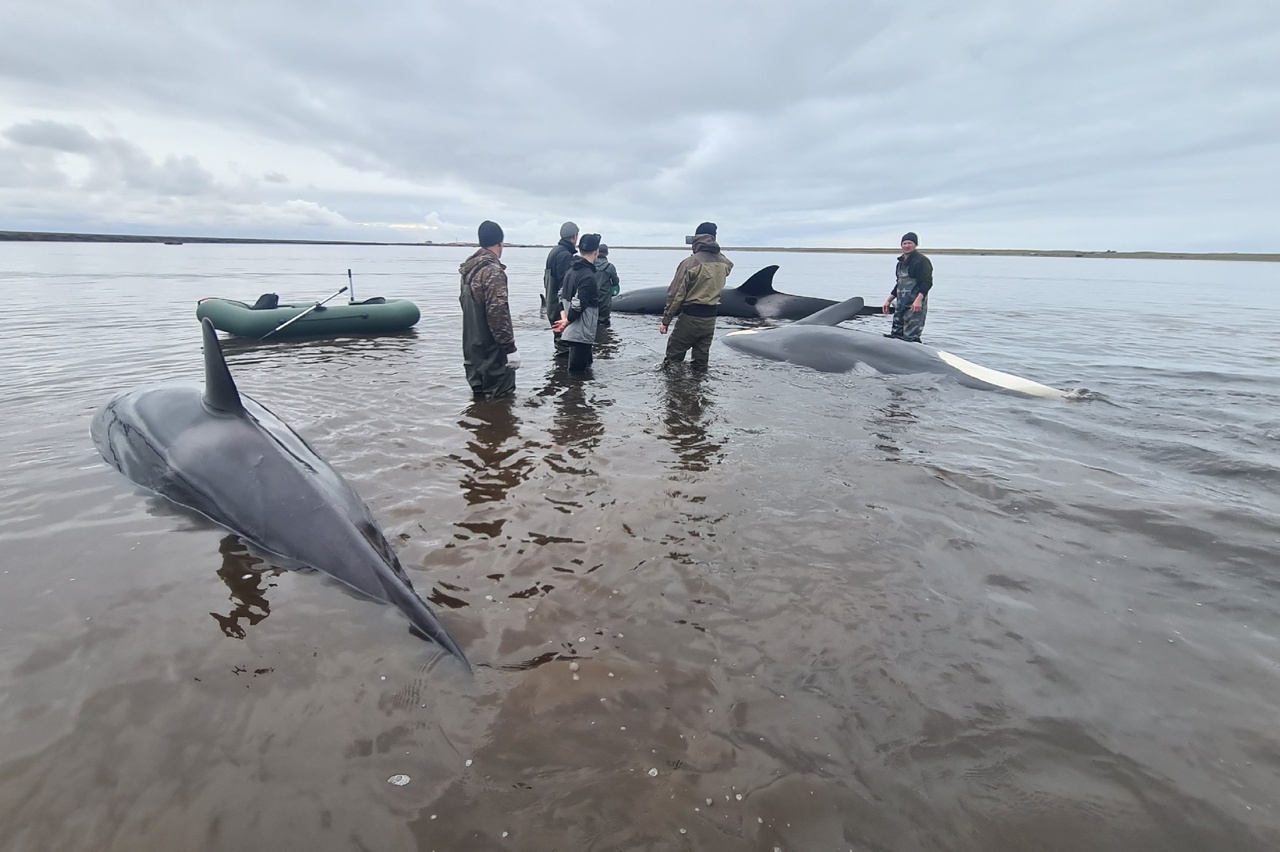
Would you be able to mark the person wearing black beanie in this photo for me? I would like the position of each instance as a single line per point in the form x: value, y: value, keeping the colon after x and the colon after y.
x: 489, y: 353
x: 490, y: 234
x: 580, y: 305
x: 693, y: 299
x: 909, y: 298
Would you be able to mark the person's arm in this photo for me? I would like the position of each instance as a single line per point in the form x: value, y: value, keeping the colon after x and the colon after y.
x: 560, y: 269
x: 675, y: 300
x: 498, y: 312
x: 923, y: 273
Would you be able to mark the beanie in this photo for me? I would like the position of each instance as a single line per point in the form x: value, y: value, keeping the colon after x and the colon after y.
x: 910, y: 235
x: 706, y: 228
x: 589, y: 243
x: 490, y: 233
x: 567, y: 230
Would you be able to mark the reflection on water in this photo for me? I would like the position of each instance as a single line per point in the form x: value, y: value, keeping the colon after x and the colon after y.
x: 248, y: 587
x: 688, y: 398
x: 497, y: 462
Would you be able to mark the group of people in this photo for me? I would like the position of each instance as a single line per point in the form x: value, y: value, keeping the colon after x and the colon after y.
x: 579, y: 284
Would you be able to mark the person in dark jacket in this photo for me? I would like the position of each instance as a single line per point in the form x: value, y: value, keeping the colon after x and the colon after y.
x: 489, y: 352
x: 910, y: 295
x: 606, y: 282
x: 559, y: 259
x: 580, y: 301
x: 693, y: 299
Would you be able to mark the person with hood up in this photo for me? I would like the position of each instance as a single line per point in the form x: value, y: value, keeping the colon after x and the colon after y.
x: 694, y: 297
x: 559, y: 259
x: 580, y: 301
x: 489, y: 352
x: 607, y: 282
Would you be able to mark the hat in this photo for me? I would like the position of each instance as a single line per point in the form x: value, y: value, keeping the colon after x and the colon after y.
x: 490, y: 233
x: 604, y: 249
x: 706, y: 228
x: 567, y: 230
x: 588, y: 243
x: 910, y: 235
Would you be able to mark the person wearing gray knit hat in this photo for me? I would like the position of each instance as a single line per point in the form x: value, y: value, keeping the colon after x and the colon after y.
x: 909, y: 298
x: 559, y: 259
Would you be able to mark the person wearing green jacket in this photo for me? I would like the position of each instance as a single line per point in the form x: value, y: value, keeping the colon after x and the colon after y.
x: 606, y: 282
x: 693, y: 299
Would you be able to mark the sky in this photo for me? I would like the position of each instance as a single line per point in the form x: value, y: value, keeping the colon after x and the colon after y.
x: 1127, y: 124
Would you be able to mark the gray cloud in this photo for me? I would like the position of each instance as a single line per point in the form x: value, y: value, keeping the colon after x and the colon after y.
x: 1086, y: 124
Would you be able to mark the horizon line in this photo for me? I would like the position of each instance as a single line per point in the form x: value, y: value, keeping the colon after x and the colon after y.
x: 70, y: 236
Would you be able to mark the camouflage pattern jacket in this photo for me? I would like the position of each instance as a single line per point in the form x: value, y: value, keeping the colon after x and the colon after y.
x: 485, y: 278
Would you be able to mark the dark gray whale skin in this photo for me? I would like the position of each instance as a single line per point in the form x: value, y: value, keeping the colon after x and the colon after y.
x: 755, y: 298
x: 817, y: 342
x: 228, y: 458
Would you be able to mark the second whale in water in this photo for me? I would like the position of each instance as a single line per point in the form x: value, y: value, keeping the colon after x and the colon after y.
x: 817, y: 342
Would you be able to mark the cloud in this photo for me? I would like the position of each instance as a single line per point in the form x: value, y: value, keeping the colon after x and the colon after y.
x: 816, y: 123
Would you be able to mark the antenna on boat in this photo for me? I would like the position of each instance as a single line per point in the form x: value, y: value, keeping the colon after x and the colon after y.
x: 351, y: 285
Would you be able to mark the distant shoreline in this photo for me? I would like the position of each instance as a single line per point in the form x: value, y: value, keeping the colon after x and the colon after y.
x: 42, y: 236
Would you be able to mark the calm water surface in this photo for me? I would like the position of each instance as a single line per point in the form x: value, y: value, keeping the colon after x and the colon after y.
x: 809, y: 612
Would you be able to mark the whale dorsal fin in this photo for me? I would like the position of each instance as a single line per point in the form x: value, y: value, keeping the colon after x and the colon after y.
x: 219, y: 388
x: 760, y: 284
x: 835, y: 314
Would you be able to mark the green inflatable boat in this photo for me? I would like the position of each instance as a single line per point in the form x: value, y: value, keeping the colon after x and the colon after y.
x: 273, y: 320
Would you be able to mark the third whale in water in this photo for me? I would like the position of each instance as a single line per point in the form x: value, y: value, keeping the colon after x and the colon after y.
x: 817, y: 342
x: 754, y: 298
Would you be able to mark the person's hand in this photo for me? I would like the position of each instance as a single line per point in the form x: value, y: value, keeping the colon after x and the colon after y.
x: 513, y: 360
x: 559, y: 326
x: 887, y: 303
x: 917, y: 305
x: 662, y: 328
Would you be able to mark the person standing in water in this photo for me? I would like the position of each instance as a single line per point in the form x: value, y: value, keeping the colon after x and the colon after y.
x: 489, y: 352
x: 580, y: 300
x: 559, y: 259
x: 913, y: 281
x: 606, y: 282
x: 693, y: 299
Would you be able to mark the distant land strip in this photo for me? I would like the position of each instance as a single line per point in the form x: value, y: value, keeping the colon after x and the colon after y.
x: 43, y: 236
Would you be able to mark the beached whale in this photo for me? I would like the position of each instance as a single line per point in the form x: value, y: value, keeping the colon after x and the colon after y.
x: 227, y: 457
x: 755, y: 298
x: 817, y: 342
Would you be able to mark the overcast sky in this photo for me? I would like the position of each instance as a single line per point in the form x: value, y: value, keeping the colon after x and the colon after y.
x: 1122, y: 124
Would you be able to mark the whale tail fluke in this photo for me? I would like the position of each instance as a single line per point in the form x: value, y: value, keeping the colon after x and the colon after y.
x: 220, y: 391
x: 835, y: 314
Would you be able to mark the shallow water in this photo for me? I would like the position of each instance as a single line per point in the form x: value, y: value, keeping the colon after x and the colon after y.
x: 829, y: 612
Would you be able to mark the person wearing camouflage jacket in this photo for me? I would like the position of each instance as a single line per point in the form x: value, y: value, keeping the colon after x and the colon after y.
x: 489, y: 352
x: 693, y: 299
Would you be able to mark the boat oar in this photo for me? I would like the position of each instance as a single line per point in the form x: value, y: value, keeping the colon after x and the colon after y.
x: 352, y: 284
x: 292, y: 320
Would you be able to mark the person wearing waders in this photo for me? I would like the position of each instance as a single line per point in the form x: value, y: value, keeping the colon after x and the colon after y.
x: 580, y: 298
x: 488, y: 344
x: 606, y: 283
x: 910, y: 296
x: 693, y: 298
x: 559, y: 259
